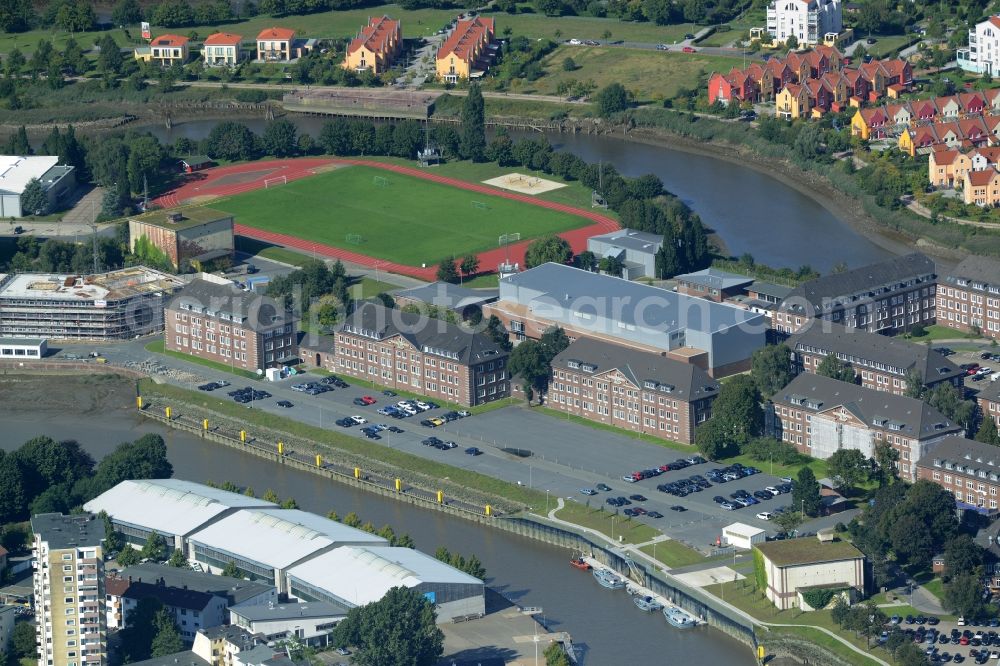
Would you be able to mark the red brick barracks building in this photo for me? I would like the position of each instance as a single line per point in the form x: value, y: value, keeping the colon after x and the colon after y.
x: 631, y: 389
x: 970, y: 470
x: 970, y: 296
x: 426, y: 356
x: 213, y: 319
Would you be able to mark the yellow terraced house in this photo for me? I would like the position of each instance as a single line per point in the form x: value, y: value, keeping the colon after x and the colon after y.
x: 458, y: 56
x: 375, y: 47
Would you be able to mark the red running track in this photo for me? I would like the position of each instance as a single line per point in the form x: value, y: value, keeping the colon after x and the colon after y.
x: 201, y: 184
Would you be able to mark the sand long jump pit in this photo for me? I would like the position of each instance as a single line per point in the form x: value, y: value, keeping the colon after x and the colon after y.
x: 524, y: 184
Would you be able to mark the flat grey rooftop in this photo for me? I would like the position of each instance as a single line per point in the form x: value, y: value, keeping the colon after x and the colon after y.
x: 73, y: 531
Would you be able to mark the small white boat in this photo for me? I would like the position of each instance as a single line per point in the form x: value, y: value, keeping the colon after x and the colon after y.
x: 679, y: 618
x: 608, y: 579
x: 647, y: 604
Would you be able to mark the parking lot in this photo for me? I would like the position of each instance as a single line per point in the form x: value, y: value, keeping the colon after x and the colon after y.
x: 981, y: 641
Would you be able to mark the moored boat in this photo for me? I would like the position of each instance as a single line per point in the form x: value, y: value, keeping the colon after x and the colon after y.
x: 579, y: 563
x: 608, y: 579
x: 647, y: 604
x: 679, y: 618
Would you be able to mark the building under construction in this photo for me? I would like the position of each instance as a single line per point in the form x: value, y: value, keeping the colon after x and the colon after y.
x: 107, y: 306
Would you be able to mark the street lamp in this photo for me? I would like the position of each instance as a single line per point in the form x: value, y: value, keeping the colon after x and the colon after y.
x: 546, y: 501
x: 612, y: 528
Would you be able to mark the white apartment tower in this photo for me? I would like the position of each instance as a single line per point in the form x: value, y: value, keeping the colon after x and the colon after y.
x: 982, y: 55
x: 71, y: 627
x: 808, y: 20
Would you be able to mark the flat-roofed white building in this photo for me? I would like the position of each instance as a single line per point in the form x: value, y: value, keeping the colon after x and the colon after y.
x: 356, y: 576
x: 742, y: 536
x: 173, y: 508
x: 310, y: 622
x: 22, y: 349
x: 16, y: 171
x: 796, y: 566
x: 265, y: 543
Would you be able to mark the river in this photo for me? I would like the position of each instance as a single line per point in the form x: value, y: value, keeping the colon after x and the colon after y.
x: 604, y: 623
x: 750, y: 211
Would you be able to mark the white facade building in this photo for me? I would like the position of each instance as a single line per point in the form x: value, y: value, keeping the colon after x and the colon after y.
x: 983, y: 52
x: 739, y: 535
x: 16, y: 171
x: 794, y: 566
x: 310, y: 623
x: 807, y: 20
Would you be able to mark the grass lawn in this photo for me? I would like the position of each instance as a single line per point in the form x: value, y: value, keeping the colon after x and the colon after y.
x: 157, y: 347
x: 935, y: 587
x: 674, y: 554
x: 886, y: 46
x: 605, y: 522
x: 586, y: 27
x: 487, y: 281
x: 369, y: 288
x: 936, y: 332
x: 650, y: 75
x: 666, y: 443
x: 818, y: 466
x: 258, y: 248
x: 409, y: 220
x: 742, y: 595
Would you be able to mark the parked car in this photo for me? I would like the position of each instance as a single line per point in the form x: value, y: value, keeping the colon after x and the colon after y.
x: 588, y: 491
x: 662, y: 47
x: 603, y: 487
x: 765, y: 515
x: 284, y: 403
x: 689, y: 49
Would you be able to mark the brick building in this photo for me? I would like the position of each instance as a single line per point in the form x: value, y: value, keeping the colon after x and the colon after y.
x: 213, y: 319
x: 882, y: 363
x: 713, y: 284
x: 968, y: 469
x: 890, y: 296
x: 988, y: 400
x: 820, y: 416
x: 426, y: 356
x: 969, y: 295
x: 631, y: 389
x: 317, y: 351
x: 184, y: 235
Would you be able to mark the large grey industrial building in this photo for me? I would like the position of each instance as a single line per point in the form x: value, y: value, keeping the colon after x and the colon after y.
x: 717, y: 337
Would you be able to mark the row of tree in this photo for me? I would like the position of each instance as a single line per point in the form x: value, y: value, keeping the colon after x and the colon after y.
x: 45, y: 476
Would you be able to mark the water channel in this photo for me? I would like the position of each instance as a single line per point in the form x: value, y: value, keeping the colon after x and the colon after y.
x: 609, y: 627
x: 751, y: 211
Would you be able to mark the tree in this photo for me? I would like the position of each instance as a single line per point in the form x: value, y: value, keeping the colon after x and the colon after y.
x: 398, y: 630
x: 546, y: 249
x: 167, y: 640
x: 791, y: 42
x: 33, y: 199
x: 126, y: 12
x: 555, y: 655
x: 173, y: 14
x: 612, y: 99
x: 140, y: 629
x: 987, y: 432
x: 530, y: 362
x: 849, y: 466
x: 771, y: 369
x: 472, y: 134
x: 469, y: 265
x: 23, y: 640
x: 914, y: 383
x: 962, y: 555
x: 231, y: 570
x: 834, y: 368
x: 15, y: 63
x: 128, y: 556
x: 177, y: 559
x: 569, y: 65
x: 886, y: 460
x: 713, y: 442
x: 16, y: 16
x: 447, y: 272
x: 947, y: 399
x: 498, y: 333
x: 805, y: 493
x: 232, y: 141
x: 155, y: 548
x: 909, y: 654
x: 963, y: 594
x: 737, y: 411
x: 279, y: 138
x: 611, y: 265
x: 109, y: 61
x: 787, y: 520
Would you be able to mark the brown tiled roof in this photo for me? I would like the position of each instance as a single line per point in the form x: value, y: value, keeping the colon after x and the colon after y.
x: 376, y: 36
x: 276, y: 33
x: 981, y: 178
x: 945, y: 157
x: 223, y: 39
x: 466, y: 35
x: 169, y: 40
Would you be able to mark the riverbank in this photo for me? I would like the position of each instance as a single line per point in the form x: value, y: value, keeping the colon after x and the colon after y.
x: 846, y: 208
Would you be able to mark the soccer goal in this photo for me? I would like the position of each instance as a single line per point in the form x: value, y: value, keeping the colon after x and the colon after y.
x: 354, y: 239
x: 507, y: 239
x: 380, y: 181
x: 480, y: 205
x: 277, y: 180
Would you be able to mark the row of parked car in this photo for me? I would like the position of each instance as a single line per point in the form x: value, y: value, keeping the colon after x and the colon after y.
x: 405, y: 408
x: 248, y: 394
x: 652, y: 472
x: 372, y: 431
x: 211, y: 386
x: 322, y: 386
x: 743, y: 498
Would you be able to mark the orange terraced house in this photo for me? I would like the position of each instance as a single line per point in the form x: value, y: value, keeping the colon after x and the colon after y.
x: 167, y: 50
x: 982, y: 188
x: 461, y: 54
x: 376, y: 46
x: 275, y: 44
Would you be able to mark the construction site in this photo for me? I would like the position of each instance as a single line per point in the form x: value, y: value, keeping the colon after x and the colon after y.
x: 116, y: 305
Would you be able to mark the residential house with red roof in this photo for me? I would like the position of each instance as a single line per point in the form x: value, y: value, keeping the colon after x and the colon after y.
x: 982, y: 188
x: 870, y: 123
x: 992, y: 97
x: 972, y: 103
x: 375, y: 47
x: 947, y: 168
x: 899, y: 72
x: 984, y: 157
x: 836, y: 86
x: 276, y: 45
x: 222, y: 49
x: 764, y: 78
x: 857, y: 85
x: 167, y: 50
x: 467, y: 51
x: 799, y: 64
x: 923, y: 110
x: 792, y: 102
x: 877, y: 78
x: 820, y: 97
x: 947, y: 107
x: 899, y: 114
x: 833, y: 56
x: 781, y: 72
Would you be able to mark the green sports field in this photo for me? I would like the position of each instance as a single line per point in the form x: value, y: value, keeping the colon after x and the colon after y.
x: 391, y: 216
